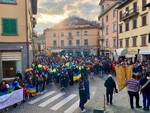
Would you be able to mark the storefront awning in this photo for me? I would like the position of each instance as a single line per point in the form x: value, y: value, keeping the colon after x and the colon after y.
x: 144, y: 52
x: 56, y: 50
x: 121, y: 52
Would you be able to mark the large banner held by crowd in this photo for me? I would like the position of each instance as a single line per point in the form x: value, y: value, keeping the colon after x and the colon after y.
x: 123, y: 73
x: 11, y: 99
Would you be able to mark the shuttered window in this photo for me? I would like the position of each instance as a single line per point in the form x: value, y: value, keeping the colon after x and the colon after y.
x: 9, y: 26
x: 7, y: 1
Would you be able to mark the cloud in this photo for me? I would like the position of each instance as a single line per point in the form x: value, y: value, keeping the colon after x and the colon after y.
x: 54, y: 11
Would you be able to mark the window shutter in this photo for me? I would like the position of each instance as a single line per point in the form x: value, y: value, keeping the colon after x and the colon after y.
x: 9, y: 26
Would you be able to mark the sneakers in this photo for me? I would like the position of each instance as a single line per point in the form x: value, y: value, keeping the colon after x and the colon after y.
x: 83, y: 111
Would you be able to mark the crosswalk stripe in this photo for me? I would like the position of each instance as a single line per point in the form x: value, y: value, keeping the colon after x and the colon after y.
x: 63, y: 102
x: 41, y: 97
x: 44, y: 104
x: 72, y: 108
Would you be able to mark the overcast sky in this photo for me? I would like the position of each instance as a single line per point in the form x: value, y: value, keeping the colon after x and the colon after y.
x: 51, y: 12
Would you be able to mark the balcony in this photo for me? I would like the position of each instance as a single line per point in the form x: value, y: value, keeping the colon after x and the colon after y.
x: 129, y: 14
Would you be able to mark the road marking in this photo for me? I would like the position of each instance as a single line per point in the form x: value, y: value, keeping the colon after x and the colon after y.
x: 41, y: 97
x: 73, y: 107
x: 44, y: 104
x: 63, y: 102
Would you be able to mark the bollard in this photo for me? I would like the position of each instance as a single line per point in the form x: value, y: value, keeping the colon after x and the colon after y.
x: 98, y: 110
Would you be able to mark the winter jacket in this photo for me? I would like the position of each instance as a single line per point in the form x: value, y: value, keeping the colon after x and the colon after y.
x: 110, y: 85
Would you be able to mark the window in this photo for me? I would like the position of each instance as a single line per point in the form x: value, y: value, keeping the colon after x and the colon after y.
x: 127, y: 11
x: 120, y: 15
x: 144, y: 20
x: 9, y: 26
x: 114, y: 27
x: 86, y: 42
x: 143, y: 40
x: 70, y: 43
x: 106, y: 43
x: 106, y: 30
x: 114, y: 43
x: 54, y: 43
x: 85, y: 33
x: 127, y: 26
x: 120, y: 28
x: 78, y: 42
x: 121, y: 43
x: 135, y: 6
x: 62, y: 43
x: 144, y: 2
x: 107, y: 18
x: 54, y: 35
x: 62, y: 34
x: 134, y: 23
x: 127, y: 42
x: 69, y: 34
x: 78, y: 33
x: 8, y: 1
x: 114, y: 13
x: 134, y: 41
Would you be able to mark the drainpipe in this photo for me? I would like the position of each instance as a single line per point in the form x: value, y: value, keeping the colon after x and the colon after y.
x: 27, y: 40
x: 117, y: 30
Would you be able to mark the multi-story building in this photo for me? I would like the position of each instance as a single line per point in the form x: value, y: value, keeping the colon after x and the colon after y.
x: 108, y: 27
x: 73, y: 36
x: 16, y: 26
x: 39, y: 43
x: 134, y: 28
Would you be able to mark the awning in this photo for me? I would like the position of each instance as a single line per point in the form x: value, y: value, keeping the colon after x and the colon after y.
x: 131, y: 53
x: 121, y: 52
x: 144, y: 52
x: 56, y: 50
x: 130, y: 56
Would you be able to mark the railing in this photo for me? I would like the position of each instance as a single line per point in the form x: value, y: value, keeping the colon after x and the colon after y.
x: 130, y: 13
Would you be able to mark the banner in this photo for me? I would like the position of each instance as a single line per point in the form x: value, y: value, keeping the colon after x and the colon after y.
x: 129, y: 70
x: 120, y: 77
x: 123, y: 73
x: 11, y: 99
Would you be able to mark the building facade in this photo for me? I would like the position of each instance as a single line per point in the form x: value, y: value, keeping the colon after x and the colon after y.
x: 134, y: 28
x: 108, y: 27
x: 73, y: 36
x: 16, y: 28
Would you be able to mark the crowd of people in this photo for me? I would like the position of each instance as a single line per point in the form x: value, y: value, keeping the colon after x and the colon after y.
x: 65, y: 70
x: 139, y: 83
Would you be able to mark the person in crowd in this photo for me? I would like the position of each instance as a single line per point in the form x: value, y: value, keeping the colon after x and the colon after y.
x: 110, y: 88
x: 145, y: 90
x: 87, y: 87
x: 133, y: 91
x: 4, y: 86
x: 82, y: 95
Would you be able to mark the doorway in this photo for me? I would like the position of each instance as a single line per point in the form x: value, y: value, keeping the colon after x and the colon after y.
x: 9, y: 69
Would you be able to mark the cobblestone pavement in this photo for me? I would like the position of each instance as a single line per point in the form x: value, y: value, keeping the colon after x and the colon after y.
x: 56, y: 101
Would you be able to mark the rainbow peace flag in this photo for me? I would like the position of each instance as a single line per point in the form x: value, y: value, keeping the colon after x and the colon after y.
x: 30, y: 89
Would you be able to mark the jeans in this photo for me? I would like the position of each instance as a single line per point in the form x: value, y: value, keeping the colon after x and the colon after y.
x: 81, y: 105
x: 131, y: 96
x: 146, y: 100
x: 109, y: 96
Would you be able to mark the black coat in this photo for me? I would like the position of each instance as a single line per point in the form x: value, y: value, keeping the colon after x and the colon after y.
x: 110, y: 85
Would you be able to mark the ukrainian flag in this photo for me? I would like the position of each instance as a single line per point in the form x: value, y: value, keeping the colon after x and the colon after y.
x: 77, y: 76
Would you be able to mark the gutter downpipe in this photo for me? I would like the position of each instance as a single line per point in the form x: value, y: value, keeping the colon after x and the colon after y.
x: 27, y: 41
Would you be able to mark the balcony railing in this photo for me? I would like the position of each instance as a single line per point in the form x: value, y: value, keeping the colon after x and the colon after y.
x: 130, y: 14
